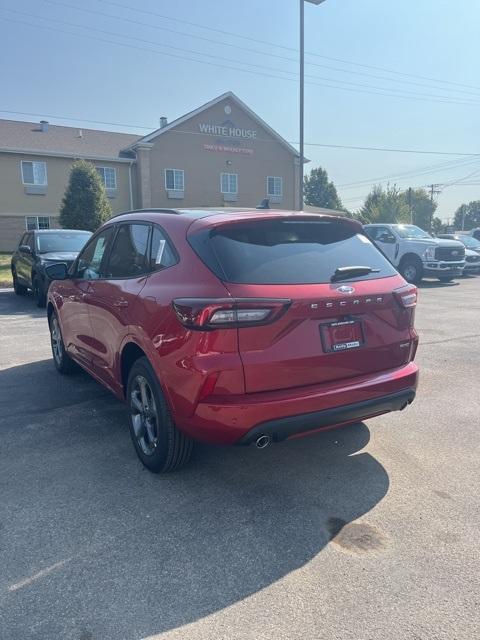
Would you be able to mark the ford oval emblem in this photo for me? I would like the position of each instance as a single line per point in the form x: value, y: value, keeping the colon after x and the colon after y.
x: 345, y: 289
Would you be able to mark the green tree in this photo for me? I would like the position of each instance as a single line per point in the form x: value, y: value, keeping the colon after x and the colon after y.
x: 85, y: 204
x: 467, y: 216
x: 319, y: 191
x: 438, y: 225
x: 422, y: 207
x: 385, y: 205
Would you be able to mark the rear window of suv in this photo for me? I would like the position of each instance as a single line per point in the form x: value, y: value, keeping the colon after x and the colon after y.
x: 287, y: 251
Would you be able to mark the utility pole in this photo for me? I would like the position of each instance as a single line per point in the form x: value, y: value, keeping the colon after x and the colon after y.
x: 410, y: 204
x: 433, y: 191
x: 302, y: 92
x: 302, y: 96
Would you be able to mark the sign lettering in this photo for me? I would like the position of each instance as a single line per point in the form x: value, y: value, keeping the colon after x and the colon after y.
x: 227, y: 131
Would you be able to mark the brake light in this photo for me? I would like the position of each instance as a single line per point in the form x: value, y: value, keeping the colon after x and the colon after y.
x: 222, y: 313
x: 406, y: 296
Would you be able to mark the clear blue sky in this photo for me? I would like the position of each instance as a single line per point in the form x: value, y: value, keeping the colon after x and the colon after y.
x: 51, y: 71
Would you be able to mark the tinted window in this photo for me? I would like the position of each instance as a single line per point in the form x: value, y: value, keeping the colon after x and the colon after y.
x: 90, y: 260
x: 161, y: 254
x: 129, y: 251
x: 30, y: 240
x: 411, y: 231
x: 61, y: 241
x: 287, y: 251
x: 376, y: 232
x: 22, y: 240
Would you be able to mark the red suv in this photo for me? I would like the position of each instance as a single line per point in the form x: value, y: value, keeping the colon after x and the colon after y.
x: 235, y: 327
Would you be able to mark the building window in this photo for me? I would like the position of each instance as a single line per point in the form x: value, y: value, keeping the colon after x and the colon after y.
x: 37, y: 222
x: 274, y: 186
x: 174, y: 179
x: 34, y: 173
x: 109, y: 177
x: 229, y: 182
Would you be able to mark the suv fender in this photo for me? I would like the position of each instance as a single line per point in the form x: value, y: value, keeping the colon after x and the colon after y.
x: 129, y: 352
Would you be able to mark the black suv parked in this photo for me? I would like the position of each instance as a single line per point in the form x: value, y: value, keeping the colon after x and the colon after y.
x: 35, y: 251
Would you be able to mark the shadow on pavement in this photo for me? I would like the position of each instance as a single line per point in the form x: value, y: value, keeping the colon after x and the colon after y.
x: 94, y: 546
x: 13, y: 305
x: 36, y: 388
x: 436, y: 284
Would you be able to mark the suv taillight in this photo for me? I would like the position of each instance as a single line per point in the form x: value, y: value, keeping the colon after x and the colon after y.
x: 406, y: 296
x: 227, y: 313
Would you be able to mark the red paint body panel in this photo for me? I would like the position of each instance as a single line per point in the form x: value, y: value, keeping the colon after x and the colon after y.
x: 291, y: 348
x: 262, y: 373
x: 226, y: 419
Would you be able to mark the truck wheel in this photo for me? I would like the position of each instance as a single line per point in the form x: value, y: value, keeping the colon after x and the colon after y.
x: 39, y: 293
x: 19, y: 289
x: 159, y: 444
x: 411, y: 269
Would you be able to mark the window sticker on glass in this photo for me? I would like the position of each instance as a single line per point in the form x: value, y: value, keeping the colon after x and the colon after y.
x: 161, y: 248
x: 97, y: 256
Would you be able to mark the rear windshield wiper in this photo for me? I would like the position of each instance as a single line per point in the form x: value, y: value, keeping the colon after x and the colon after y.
x: 351, y: 272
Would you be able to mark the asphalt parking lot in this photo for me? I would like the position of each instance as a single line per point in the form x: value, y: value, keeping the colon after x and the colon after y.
x: 369, y: 532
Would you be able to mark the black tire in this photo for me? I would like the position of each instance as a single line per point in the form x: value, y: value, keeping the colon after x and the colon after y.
x: 411, y: 269
x: 445, y: 279
x: 39, y: 294
x: 19, y: 289
x: 159, y: 444
x: 62, y: 361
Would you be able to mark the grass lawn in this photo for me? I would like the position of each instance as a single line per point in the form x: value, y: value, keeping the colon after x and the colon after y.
x: 5, y: 273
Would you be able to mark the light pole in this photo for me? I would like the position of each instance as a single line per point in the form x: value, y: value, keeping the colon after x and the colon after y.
x: 302, y: 92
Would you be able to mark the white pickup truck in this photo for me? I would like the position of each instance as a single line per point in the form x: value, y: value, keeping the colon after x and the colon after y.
x: 416, y: 254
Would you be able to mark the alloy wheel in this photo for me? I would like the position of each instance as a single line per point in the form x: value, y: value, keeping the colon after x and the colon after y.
x: 144, y: 415
x: 56, y: 340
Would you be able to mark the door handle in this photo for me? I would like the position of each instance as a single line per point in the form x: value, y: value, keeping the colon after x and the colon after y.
x: 122, y: 304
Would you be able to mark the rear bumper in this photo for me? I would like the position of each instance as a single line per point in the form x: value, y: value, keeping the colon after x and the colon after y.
x: 281, y: 414
x: 286, y: 427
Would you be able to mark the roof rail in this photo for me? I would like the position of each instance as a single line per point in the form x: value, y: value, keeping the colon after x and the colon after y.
x: 147, y: 209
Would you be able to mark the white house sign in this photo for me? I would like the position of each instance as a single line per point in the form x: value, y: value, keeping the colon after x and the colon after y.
x: 227, y: 130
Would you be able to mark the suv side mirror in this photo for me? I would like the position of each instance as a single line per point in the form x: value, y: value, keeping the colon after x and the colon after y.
x: 25, y: 248
x: 387, y: 238
x: 57, y: 271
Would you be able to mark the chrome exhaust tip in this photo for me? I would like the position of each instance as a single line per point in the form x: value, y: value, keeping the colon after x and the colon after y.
x: 263, y: 441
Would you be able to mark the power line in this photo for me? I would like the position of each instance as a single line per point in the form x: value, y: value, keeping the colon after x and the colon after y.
x: 433, y: 188
x: 70, y: 119
x: 365, y: 88
x: 459, y: 181
x: 293, y: 142
x: 412, y: 173
x: 273, y: 44
x: 391, y: 150
x: 255, y: 51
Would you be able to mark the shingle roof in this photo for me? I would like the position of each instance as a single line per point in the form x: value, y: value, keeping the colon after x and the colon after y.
x: 28, y: 136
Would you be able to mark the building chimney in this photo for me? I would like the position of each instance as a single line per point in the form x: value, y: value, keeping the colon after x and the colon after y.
x: 163, y: 122
x: 44, y: 125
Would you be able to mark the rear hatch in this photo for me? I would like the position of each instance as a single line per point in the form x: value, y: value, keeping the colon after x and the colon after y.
x: 320, y: 331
